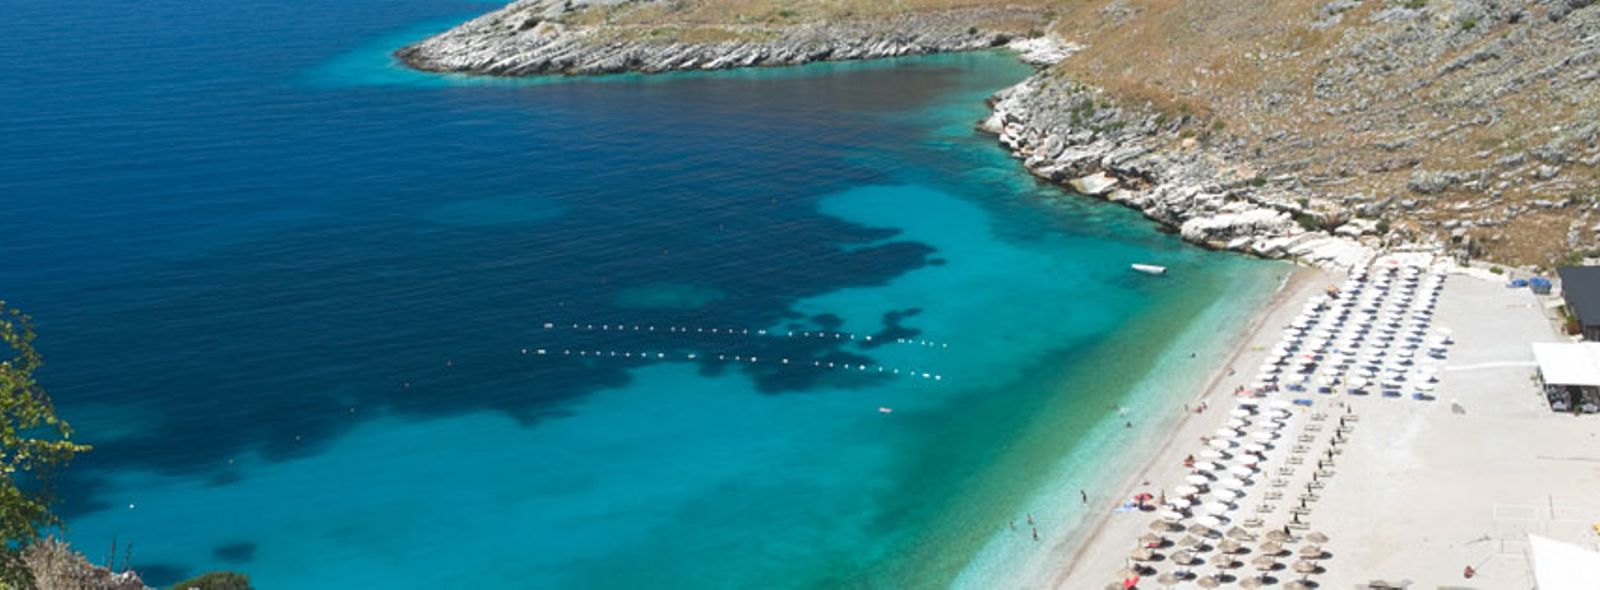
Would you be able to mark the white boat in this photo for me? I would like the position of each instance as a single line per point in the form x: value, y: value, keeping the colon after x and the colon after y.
x: 1150, y: 269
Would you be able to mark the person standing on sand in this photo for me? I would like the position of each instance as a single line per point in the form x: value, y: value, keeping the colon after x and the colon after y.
x: 1085, y: 496
x: 1030, y: 519
x: 1035, y: 533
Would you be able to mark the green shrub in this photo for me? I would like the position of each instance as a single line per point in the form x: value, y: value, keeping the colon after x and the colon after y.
x: 1416, y: 4
x: 1309, y: 222
x: 1468, y: 23
x: 1497, y: 270
x: 215, y: 581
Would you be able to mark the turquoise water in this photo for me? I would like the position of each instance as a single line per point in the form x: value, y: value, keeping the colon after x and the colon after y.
x: 285, y: 287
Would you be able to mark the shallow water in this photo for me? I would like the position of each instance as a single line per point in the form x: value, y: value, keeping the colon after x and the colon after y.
x: 284, y: 287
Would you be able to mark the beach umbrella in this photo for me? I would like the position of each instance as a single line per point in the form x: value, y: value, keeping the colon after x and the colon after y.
x: 1279, y: 404
x: 1316, y: 537
x: 1188, y: 541
x: 1229, y: 546
x: 1198, y: 480
x: 1187, y: 490
x: 1248, y: 403
x: 1217, y: 508
x: 1160, y: 526
x: 1213, y: 454
x: 1223, y: 560
x: 1210, y: 466
x: 1232, y: 484
x: 1278, y: 535
x: 1219, y: 443
x: 1240, y: 534
x: 1241, y: 471
x: 1170, y: 516
x: 1142, y: 554
x: 1202, y: 530
x: 1272, y: 547
x: 1226, y: 433
x: 1151, y: 539
x: 1305, y: 567
x: 1297, y: 585
x: 1184, y: 557
x: 1239, y: 413
x: 1264, y: 562
x: 1167, y: 579
x: 1263, y: 435
x: 1238, y: 423
x: 1250, y: 583
x: 1210, y: 522
x: 1311, y: 552
x: 1208, y: 582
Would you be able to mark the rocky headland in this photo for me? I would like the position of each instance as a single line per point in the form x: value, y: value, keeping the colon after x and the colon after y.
x: 1318, y: 130
x: 551, y: 37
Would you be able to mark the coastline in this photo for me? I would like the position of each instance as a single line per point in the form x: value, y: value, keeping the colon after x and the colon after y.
x: 1093, y: 539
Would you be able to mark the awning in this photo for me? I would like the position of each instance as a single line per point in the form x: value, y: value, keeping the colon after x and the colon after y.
x: 1562, y: 566
x: 1569, y: 363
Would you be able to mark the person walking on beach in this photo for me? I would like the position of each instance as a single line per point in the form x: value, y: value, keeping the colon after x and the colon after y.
x: 1035, y: 533
x: 1085, y: 496
x: 1030, y: 518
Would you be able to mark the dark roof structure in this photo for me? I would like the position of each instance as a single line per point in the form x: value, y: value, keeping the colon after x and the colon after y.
x: 1580, y: 286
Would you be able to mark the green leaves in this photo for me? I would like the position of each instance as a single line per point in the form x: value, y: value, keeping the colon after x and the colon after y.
x: 34, y: 442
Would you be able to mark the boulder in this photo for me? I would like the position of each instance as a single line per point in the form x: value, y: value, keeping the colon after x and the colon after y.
x: 1095, y: 184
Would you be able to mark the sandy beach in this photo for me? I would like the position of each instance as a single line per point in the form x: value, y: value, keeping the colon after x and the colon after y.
x: 1090, y: 556
x: 1418, y: 490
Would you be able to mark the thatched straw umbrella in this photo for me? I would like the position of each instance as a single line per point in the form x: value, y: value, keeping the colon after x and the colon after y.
x: 1239, y: 534
x: 1152, y: 539
x: 1184, y: 558
x: 1278, y: 535
x: 1297, y: 585
x: 1188, y: 541
x: 1251, y: 583
x: 1224, y: 561
x: 1142, y: 554
x: 1305, y: 567
x: 1316, y: 537
x: 1168, y: 579
x: 1311, y: 552
x: 1162, y: 526
x: 1229, y: 546
x: 1272, y: 547
x: 1264, y: 563
x: 1209, y: 582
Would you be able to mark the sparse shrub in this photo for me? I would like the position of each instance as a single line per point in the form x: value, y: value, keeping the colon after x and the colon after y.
x: 972, y: 30
x: 1260, y: 180
x: 1468, y: 23
x: 1416, y: 4
x: 1497, y: 270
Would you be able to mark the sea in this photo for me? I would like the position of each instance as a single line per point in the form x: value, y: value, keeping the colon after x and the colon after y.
x: 333, y: 323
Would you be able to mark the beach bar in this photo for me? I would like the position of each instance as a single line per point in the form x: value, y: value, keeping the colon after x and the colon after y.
x: 1570, y: 373
x: 1580, y: 288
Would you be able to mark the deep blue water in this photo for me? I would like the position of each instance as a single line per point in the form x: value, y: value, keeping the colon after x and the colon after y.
x: 285, y: 288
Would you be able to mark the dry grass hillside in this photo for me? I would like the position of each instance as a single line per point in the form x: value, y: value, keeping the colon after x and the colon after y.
x: 1474, y: 122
